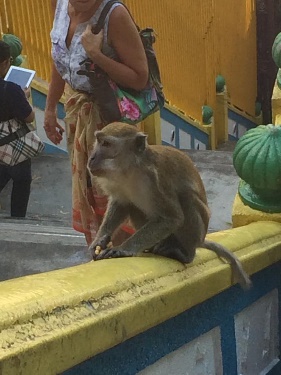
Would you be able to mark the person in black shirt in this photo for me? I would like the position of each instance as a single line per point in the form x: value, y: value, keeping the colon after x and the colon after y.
x: 16, y: 106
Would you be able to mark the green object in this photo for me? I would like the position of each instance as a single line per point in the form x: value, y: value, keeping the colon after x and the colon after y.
x: 253, y: 200
x: 220, y: 83
x: 15, y: 45
x: 18, y: 60
x: 207, y: 114
x: 257, y: 161
x: 276, y: 50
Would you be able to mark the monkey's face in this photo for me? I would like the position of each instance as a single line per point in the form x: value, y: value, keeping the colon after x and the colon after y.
x: 116, y: 150
x: 105, y: 152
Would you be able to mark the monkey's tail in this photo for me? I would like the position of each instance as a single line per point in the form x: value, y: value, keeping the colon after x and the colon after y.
x: 240, y: 275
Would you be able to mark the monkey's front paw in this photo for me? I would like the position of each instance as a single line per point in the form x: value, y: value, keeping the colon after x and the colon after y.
x: 115, y: 252
x: 100, y: 244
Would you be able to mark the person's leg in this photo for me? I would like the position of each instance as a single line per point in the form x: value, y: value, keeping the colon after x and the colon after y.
x: 82, y: 120
x: 21, y: 175
x: 4, y: 176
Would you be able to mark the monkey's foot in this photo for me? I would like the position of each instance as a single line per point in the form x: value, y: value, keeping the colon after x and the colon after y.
x: 115, y: 252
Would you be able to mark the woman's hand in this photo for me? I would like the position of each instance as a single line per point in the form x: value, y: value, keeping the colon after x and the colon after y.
x: 52, y: 128
x: 92, y: 43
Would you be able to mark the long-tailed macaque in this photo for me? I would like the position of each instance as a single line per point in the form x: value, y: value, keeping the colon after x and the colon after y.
x: 162, y: 193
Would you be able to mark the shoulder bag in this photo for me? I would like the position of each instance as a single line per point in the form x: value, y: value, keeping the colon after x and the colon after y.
x: 17, y: 141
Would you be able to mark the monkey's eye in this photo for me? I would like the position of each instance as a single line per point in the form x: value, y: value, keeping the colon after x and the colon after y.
x: 105, y: 144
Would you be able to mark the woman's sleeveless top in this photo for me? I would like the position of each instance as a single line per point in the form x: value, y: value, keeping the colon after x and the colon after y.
x: 66, y: 59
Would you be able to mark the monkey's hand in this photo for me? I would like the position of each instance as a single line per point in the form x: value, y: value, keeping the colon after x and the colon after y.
x: 115, y: 252
x: 100, y: 244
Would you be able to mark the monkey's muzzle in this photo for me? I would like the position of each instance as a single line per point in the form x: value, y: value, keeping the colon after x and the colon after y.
x: 94, y: 164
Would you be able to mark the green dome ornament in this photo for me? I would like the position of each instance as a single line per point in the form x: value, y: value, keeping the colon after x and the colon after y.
x: 207, y: 114
x: 15, y: 48
x: 257, y: 161
x: 220, y: 83
x: 276, y: 50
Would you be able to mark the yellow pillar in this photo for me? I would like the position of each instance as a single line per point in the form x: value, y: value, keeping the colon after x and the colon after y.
x: 221, y: 117
x: 152, y: 127
x: 212, y: 135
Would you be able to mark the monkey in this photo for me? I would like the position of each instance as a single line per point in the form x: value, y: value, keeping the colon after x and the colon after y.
x: 160, y: 190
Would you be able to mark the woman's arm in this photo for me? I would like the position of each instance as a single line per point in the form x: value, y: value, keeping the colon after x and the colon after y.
x: 52, y: 127
x: 132, y: 71
x: 30, y: 117
x: 55, y: 91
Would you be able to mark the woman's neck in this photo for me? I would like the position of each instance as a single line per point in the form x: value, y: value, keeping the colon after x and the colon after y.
x: 83, y: 15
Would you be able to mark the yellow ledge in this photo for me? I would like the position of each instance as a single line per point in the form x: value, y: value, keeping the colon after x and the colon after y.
x: 243, y: 214
x: 50, y: 322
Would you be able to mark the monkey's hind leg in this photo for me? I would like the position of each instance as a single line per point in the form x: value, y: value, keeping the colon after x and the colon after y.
x: 170, y: 247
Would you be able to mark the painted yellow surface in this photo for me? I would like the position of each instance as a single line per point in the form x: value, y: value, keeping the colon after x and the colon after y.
x: 221, y: 117
x: 196, y: 41
x: 52, y: 321
x: 152, y: 127
x: 243, y: 214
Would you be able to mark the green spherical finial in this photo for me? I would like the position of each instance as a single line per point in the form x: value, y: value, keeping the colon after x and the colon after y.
x: 257, y: 160
x: 276, y: 50
x: 220, y: 83
x: 207, y: 114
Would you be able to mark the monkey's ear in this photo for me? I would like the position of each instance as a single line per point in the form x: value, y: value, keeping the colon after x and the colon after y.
x: 140, y: 142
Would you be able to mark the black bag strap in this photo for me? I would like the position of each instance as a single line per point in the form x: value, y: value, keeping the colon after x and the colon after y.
x: 22, y: 131
x: 97, y: 28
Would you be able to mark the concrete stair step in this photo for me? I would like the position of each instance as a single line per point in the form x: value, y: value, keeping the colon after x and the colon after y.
x: 28, y: 247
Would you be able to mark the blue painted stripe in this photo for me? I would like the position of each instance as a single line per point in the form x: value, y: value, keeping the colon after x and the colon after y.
x: 185, y: 126
x: 232, y: 138
x: 241, y: 120
x: 145, y: 349
x: 52, y: 149
x: 39, y: 101
x: 229, y: 357
x: 279, y: 298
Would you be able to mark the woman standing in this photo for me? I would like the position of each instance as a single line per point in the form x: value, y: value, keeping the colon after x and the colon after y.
x: 118, y: 50
x: 14, y: 104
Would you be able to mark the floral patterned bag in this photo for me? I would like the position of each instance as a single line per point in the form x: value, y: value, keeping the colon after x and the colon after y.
x: 120, y: 104
x: 117, y: 103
